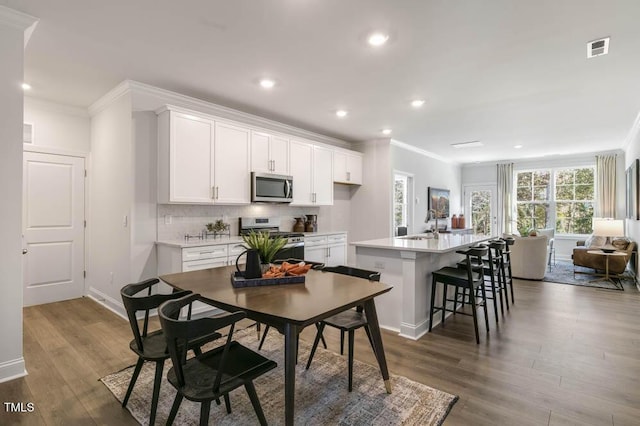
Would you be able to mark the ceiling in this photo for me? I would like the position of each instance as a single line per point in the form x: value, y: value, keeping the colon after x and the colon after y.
x: 504, y: 72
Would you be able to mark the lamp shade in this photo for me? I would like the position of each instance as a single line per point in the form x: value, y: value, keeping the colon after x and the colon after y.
x: 608, y: 228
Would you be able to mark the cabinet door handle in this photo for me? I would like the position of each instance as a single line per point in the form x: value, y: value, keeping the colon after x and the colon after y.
x: 348, y: 176
x: 213, y: 192
x: 217, y: 192
x: 273, y: 167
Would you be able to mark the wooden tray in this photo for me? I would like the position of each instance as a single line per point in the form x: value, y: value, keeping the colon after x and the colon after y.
x: 238, y: 281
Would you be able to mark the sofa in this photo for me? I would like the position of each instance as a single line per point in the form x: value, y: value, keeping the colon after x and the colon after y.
x: 529, y: 257
x: 617, y: 264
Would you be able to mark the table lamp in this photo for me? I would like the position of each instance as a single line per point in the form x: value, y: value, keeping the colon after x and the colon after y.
x: 608, y: 228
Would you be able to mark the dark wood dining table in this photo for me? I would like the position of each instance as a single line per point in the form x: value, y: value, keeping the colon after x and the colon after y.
x: 290, y: 308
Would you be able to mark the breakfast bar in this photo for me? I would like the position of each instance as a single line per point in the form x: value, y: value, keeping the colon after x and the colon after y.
x: 407, y: 263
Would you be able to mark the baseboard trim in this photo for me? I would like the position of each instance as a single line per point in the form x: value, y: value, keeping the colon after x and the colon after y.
x: 11, y: 370
x: 108, y: 302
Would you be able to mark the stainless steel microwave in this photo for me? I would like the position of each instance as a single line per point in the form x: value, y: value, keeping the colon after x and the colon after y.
x: 268, y: 188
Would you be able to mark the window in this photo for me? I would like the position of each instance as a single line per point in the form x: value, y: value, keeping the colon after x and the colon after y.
x: 564, y: 197
x: 400, y: 201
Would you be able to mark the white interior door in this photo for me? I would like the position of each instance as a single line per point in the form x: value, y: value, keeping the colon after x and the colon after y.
x: 480, y: 209
x: 53, y: 227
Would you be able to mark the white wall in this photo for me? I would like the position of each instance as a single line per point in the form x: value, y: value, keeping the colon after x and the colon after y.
x: 11, y: 119
x: 428, y: 172
x: 110, y: 202
x: 58, y: 126
x: 371, y: 203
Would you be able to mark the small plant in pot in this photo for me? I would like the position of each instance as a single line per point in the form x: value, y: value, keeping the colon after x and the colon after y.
x: 266, y: 246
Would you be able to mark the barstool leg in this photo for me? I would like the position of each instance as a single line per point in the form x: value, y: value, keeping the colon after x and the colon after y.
x: 444, y: 301
x: 433, y: 296
x: 493, y: 295
x: 472, y: 302
x: 486, y: 315
x: 455, y: 301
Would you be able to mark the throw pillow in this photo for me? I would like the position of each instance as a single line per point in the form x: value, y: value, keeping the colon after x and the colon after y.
x: 595, y: 241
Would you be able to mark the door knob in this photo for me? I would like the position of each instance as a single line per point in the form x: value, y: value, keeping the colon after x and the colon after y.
x: 25, y: 251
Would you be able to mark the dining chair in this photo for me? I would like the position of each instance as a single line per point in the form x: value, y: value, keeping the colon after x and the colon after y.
x: 216, y: 372
x: 150, y: 345
x: 347, y: 321
x: 470, y: 277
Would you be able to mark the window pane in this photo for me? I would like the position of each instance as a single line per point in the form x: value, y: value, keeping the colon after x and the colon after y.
x: 564, y: 192
x: 584, y: 192
x: 524, y: 179
x: 524, y: 194
x: 541, y: 193
x: 541, y: 178
x: 564, y: 177
x: 584, y: 176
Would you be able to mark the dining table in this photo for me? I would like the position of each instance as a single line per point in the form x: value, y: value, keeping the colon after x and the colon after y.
x: 290, y: 308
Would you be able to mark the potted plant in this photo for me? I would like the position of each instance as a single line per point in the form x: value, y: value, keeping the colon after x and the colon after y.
x: 266, y: 246
x: 218, y: 226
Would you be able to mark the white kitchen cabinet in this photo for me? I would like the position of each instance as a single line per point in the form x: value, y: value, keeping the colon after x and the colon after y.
x: 185, y: 156
x: 347, y: 167
x: 231, y: 171
x: 312, y: 170
x: 234, y: 250
x: 330, y: 250
x: 201, y: 161
x: 269, y: 153
x: 322, y: 176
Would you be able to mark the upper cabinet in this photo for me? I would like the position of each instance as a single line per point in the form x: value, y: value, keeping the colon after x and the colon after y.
x: 347, y: 167
x: 204, y: 159
x: 201, y: 161
x: 312, y: 169
x: 185, y: 155
x: 231, y: 171
x: 269, y: 153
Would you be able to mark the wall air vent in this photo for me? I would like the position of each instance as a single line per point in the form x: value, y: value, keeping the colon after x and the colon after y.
x: 598, y: 47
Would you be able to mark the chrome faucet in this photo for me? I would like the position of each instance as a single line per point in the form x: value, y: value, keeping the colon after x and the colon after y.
x: 431, y: 214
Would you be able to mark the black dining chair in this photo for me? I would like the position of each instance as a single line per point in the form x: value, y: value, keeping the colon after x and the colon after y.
x: 214, y: 373
x: 150, y: 345
x: 347, y: 321
x: 470, y: 277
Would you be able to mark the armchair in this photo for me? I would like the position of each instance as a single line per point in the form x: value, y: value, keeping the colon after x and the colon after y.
x: 529, y: 257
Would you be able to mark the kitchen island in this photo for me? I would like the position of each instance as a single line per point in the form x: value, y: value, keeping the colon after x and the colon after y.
x: 406, y: 263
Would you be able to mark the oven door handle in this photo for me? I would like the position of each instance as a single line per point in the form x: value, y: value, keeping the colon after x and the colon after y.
x: 293, y: 245
x: 287, y: 188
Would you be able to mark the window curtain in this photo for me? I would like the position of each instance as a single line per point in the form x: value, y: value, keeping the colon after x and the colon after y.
x: 605, y: 186
x: 505, y: 198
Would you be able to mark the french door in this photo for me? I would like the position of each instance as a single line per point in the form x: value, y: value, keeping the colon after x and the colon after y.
x: 480, y: 202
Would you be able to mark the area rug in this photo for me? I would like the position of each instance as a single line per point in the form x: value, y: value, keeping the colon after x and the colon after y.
x: 321, y: 393
x: 562, y: 273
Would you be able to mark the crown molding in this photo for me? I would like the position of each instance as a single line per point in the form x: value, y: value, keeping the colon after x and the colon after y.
x: 421, y: 151
x: 167, y: 97
x: 16, y: 19
x: 110, y: 97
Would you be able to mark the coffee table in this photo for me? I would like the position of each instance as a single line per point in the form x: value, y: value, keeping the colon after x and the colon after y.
x: 608, y: 255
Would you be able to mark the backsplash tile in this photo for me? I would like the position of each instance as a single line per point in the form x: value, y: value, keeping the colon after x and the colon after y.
x: 191, y: 219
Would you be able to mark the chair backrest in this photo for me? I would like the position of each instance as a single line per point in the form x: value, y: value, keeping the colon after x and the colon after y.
x: 134, y: 303
x: 180, y: 332
x: 354, y: 272
x: 474, y: 257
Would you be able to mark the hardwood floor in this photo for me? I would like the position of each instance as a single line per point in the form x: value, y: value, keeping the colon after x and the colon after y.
x: 562, y: 355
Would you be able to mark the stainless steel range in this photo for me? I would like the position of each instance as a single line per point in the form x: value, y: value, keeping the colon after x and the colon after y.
x: 294, y: 249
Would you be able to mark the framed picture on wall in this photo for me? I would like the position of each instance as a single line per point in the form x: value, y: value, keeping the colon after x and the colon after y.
x: 633, y: 187
x: 439, y: 201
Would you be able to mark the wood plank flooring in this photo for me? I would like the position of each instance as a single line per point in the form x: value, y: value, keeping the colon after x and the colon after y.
x: 563, y: 355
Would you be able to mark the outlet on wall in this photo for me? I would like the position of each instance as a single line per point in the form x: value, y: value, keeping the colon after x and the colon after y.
x: 378, y: 264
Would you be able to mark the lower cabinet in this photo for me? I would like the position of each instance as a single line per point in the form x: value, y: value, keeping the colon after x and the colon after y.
x: 328, y: 249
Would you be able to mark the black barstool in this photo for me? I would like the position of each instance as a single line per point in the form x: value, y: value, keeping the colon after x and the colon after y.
x: 506, y: 263
x: 470, y: 277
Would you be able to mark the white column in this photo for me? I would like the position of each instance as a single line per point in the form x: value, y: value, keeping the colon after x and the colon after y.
x: 12, y: 41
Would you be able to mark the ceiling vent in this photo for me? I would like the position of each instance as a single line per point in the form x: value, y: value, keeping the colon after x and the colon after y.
x: 471, y: 144
x: 598, y: 47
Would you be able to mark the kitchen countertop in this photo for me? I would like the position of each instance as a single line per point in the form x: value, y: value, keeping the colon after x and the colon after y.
x: 181, y: 243
x: 444, y: 244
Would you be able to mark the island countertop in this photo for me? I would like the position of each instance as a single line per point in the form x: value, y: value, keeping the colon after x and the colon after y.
x: 419, y: 243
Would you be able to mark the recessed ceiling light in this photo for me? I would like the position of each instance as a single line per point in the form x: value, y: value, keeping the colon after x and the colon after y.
x: 26, y: 86
x: 417, y: 103
x: 471, y: 144
x: 341, y: 113
x: 517, y: 146
x: 386, y: 131
x: 378, y: 39
x: 267, y: 83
